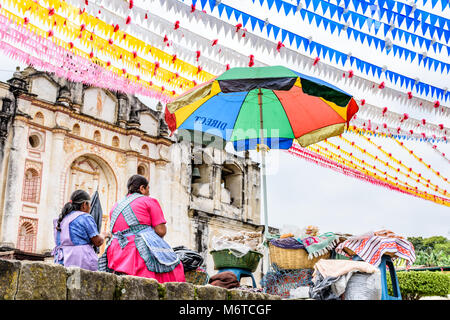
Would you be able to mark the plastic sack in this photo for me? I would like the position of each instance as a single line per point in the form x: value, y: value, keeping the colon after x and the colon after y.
x: 299, y: 293
x: 364, y: 286
x: 190, y: 259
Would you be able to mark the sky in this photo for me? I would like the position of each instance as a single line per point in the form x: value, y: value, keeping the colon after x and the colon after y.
x: 301, y: 193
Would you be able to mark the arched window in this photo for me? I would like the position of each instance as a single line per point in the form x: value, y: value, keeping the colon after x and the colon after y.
x: 76, y: 129
x: 39, y: 118
x: 145, y: 150
x: 31, y: 186
x: 27, y: 236
x: 97, y: 136
x: 142, y: 170
x: 115, y: 141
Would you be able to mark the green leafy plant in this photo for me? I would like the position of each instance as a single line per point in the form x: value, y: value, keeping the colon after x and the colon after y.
x: 417, y: 284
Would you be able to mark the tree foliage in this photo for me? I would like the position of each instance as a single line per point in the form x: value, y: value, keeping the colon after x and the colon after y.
x: 417, y: 284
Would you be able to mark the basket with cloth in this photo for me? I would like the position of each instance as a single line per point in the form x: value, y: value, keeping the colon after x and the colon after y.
x: 301, y: 253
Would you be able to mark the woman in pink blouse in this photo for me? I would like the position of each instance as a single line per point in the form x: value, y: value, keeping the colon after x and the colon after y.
x: 137, y: 246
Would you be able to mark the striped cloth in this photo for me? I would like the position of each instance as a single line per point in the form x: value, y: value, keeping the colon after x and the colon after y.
x: 371, y: 249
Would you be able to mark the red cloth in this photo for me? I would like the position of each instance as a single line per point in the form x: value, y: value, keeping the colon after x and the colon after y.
x: 127, y: 260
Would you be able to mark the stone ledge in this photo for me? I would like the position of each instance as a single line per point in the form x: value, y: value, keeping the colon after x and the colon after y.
x: 26, y: 280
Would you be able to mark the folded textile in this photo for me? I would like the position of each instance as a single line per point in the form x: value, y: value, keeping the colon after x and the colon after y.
x: 319, y: 245
x: 287, y: 243
x: 372, y: 249
x: 387, y: 233
x: 226, y: 279
x: 336, y: 268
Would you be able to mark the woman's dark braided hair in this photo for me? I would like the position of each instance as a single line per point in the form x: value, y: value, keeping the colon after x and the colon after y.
x: 77, y: 199
x: 135, y: 182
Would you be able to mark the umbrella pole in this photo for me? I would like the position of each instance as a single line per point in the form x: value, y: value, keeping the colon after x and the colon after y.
x: 263, y: 163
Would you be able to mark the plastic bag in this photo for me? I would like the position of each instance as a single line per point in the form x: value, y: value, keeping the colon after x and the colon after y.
x: 238, y: 243
x: 364, y: 286
x: 191, y: 259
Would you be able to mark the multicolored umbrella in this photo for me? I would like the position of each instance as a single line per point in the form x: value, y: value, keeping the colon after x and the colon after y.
x: 293, y: 106
x: 263, y: 106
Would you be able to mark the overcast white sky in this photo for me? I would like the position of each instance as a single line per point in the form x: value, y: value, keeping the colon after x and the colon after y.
x: 301, y: 193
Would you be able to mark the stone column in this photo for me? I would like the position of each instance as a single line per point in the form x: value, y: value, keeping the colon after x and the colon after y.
x: 14, y: 181
x: 51, y: 181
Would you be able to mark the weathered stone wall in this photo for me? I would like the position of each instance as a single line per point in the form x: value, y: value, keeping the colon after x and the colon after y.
x: 46, y: 281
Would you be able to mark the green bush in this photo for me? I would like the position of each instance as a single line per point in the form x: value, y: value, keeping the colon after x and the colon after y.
x: 417, y: 284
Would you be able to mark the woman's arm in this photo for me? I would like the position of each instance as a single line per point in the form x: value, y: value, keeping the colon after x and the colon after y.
x: 161, y: 230
x: 100, y: 238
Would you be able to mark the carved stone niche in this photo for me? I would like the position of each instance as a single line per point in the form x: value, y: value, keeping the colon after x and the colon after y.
x: 64, y: 97
x: 123, y: 107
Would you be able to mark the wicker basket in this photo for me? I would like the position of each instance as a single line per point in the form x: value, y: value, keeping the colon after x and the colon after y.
x: 226, y: 259
x: 293, y: 258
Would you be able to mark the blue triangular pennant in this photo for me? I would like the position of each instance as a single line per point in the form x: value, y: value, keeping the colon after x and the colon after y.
x: 331, y: 53
x: 406, y: 54
x: 283, y: 35
x: 390, y: 4
x: 409, y: 21
x: 229, y: 11
x: 275, y: 31
x: 433, y: 19
x: 433, y: 3
x: 315, y: 4
x: 394, y: 33
x: 333, y: 10
x: 278, y: 4
x: 203, y: 2
x: 408, y: 9
x: 402, y: 80
x: 355, y: 4
x: 291, y: 37
x: 310, y: 16
x: 369, y: 40
x: 436, y: 64
x: 325, y: 6
x: 362, y: 37
x: 325, y: 23
x: 288, y: 7
x: 268, y: 28
x: 332, y: 26
x: 260, y: 23
x: 407, y: 36
x: 303, y: 13
x: 400, y: 7
x: 220, y: 7
x: 400, y: 19
x: 270, y: 3
x: 312, y: 45
x: 361, y: 20
x: 389, y: 16
x: 364, y: 6
x: 413, y: 56
x: 253, y: 22
x: 394, y: 50
x: 318, y: 20
x: 237, y: 14
x: 245, y: 18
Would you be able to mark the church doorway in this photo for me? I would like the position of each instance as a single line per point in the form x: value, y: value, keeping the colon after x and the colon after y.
x: 91, y: 173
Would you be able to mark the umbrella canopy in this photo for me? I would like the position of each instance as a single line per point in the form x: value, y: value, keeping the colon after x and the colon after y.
x: 263, y: 106
x: 236, y: 105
